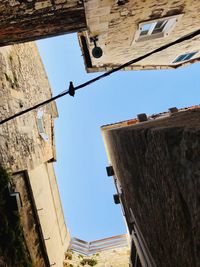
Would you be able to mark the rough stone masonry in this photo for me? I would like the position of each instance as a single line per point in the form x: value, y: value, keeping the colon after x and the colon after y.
x: 27, y: 20
x: 158, y: 166
x: 24, y: 83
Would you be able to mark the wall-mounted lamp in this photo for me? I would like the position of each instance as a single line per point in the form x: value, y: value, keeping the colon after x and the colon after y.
x: 110, y: 170
x: 97, y: 52
x: 116, y: 198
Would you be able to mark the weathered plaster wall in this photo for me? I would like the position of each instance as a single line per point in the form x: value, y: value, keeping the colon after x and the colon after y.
x: 116, y: 26
x: 27, y: 20
x: 23, y: 83
x: 158, y: 165
x: 46, y: 195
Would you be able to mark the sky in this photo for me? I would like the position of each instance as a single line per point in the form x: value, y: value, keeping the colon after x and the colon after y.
x: 86, y: 191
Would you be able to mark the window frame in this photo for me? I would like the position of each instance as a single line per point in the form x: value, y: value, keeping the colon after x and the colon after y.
x: 40, y: 125
x: 168, y: 27
x: 185, y: 54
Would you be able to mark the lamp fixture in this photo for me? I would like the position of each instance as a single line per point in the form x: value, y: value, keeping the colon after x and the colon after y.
x: 97, y: 52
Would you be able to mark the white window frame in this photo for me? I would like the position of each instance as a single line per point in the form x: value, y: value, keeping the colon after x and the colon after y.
x: 187, y: 53
x: 171, y: 22
x: 40, y: 125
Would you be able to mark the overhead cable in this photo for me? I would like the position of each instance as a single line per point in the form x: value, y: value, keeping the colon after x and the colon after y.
x: 72, y: 89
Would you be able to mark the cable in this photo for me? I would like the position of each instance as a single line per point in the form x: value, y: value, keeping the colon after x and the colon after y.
x: 72, y: 89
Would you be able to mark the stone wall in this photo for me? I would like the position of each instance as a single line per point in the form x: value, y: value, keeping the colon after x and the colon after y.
x: 157, y: 164
x: 27, y: 20
x: 27, y: 149
x: 118, y: 257
x: 30, y: 222
x: 23, y: 83
x: 42, y: 218
x: 116, y: 26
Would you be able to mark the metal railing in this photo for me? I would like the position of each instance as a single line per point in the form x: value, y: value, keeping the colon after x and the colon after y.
x: 89, y: 248
x: 142, y: 249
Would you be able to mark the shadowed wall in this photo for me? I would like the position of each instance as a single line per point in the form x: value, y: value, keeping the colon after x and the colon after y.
x: 27, y: 20
x: 157, y: 164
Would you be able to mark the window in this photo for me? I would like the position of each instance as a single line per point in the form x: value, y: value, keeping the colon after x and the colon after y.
x: 184, y: 57
x: 152, y: 28
x: 156, y: 28
x: 40, y: 125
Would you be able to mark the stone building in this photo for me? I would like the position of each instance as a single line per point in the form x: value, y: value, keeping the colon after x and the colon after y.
x: 155, y: 164
x: 29, y: 139
x: 27, y: 149
x: 112, y: 251
x: 125, y: 30
x: 42, y: 218
x: 27, y: 20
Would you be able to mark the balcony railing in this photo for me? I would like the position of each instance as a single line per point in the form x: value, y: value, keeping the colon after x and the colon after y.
x: 89, y: 248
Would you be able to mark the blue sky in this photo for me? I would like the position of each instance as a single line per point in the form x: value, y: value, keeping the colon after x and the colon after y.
x: 86, y: 192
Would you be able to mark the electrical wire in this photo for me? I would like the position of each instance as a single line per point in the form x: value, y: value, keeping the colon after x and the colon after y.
x: 72, y: 89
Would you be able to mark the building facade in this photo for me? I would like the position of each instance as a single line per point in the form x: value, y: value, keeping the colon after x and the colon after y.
x: 29, y: 139
x: 155, y: 162
x: 126, y: 30
x: 110, y: 32
x: 111, y: 251
x: 27, y: 149
x: 28, y: 20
